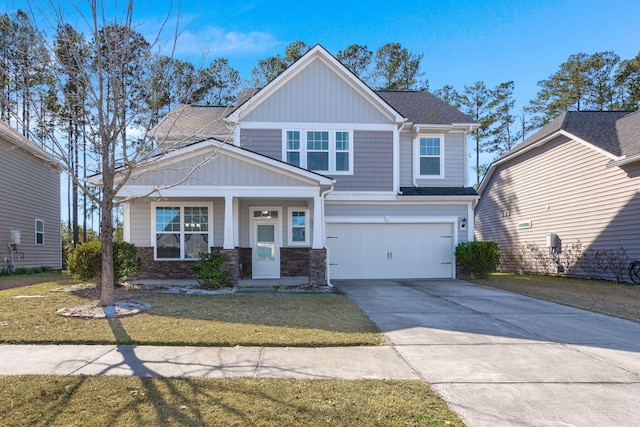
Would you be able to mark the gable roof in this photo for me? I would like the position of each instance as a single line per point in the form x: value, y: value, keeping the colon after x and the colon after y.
x: 14, y: 138
x: 424, y: 108
x: 194, y: 122
x: 317, y: 53
x: 616, y: 134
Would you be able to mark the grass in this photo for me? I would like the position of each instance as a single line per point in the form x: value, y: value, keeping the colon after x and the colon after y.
x: 119, y: 401
x: 599, y: 296
x: 29, y: 305
x: 291, y: 319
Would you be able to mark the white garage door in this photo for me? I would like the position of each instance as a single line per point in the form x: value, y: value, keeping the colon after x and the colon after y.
x: 378, y: 251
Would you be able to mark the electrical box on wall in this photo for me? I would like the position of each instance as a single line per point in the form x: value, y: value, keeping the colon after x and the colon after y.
x: 15, y: 237
x: 552, y: 240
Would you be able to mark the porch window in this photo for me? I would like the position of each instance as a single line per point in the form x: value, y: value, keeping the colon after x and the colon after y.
x: 429, y: 157
x: 181, y: 232
x: 298, y: 226
x: 39, y: 232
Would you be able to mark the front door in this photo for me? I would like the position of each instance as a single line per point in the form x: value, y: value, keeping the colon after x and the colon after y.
x: 266, y: 245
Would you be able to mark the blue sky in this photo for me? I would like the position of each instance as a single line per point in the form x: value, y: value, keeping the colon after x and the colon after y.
x: 462, y: 41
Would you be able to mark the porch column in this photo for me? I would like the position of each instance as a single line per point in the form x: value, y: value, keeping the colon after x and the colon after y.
x: 228, y: 223
x: 318, y: 221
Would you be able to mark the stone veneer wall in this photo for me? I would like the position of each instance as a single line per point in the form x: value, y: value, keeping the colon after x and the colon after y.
x: 294, y: 262
x: 317, y: 267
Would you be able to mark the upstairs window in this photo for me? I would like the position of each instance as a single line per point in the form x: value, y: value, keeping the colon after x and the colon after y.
x: 321, y: 151
x: 429, y: 156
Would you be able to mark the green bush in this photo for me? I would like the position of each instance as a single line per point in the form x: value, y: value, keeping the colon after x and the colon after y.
x: 85, y: 262
x: 208, y: 271
x: 480, y: 258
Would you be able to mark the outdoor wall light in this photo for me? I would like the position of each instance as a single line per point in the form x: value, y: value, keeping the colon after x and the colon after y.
x: 463, y: 224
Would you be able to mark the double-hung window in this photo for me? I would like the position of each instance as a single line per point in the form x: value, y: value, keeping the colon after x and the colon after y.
x: 429, y: 156
x: 298, y: 226
x: 39, y: 232
x: 181, y: 232
x: 325, y: 151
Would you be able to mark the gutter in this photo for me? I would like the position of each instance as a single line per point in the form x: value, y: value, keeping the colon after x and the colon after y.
x: 623, y: 161
x: 323, y: 196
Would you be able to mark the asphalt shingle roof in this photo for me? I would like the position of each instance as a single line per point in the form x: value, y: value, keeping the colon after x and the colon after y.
x: 617, y: 132
x: 193, y: 121
x: 424, y: 108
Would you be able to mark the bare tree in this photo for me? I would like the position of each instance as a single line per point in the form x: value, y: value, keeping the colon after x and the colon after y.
x: 113, y: 71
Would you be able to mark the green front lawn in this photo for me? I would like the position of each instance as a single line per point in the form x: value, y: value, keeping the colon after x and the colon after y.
x: 29, y: 315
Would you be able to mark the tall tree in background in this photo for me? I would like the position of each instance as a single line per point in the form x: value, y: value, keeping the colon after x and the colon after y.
x: 396, y: 68
x: 476, y: 103
x: 502, y: 137
x: 449, y: 95
x: 114, y: 77
x: 627, y: 82
x: 218, y: 84
x: 357, y: 58
x: 269, y: 68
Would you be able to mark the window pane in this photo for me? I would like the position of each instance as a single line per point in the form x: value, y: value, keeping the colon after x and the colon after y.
x: 195, y: 244
x: 429, y: 146
x: 168, y: 245
x: 318, y: 140
x: 298, y: 218
x: 39, y: 238
x: 318, y: 161
x: 342, y: 161
x: 167, y: 219
x: 342, y: 141
x: 293, y: 158
x: 40, y: 226
x: 429, y: 166
x: 293, y: 140
x: 297, y: 234
x: 266, y: 252
x: 266, y: 233
x: 196, y: 219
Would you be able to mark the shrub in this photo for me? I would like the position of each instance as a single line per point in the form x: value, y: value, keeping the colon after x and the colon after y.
x: 208, y: 270
x: 85, y: 262
x: 480, y: 258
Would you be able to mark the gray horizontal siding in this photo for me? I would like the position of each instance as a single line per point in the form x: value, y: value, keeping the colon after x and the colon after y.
x: 217, y: 170
x: 267, y: 142
x: 316, y: 94
x: 564, y: 188
x: 454, y: 162
x: 372, y: 163
x: 29, y: 190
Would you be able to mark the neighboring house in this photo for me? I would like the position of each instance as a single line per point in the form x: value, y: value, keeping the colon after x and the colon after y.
x: 315, y: 175
x: 29, y: 204
x: 578, y: 178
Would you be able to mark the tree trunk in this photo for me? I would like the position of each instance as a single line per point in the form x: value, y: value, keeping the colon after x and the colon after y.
x: 107, y: 288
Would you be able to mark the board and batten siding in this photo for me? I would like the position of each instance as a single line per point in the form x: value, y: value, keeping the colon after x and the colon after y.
x: 454, y: 161
x: 30, y: 190
x: 316, y: 94
x: 219, y: 170
x: 564, y: 188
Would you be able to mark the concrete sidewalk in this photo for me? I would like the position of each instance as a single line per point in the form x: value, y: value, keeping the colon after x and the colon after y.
x: 208, y: 362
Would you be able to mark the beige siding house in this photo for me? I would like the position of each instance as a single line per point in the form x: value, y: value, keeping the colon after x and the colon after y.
x: 314, y: 176
x: 29, y: 204
x: 570, y: 191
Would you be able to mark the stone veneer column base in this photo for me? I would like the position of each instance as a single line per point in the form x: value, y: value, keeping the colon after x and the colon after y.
x: 232, y: 264
x: 317, y: 267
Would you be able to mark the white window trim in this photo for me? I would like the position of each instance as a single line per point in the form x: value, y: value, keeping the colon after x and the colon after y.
x: 180, y: 205
x: 332, y: 148
x: 37, y: 220
x: 290, y: 241
x: 416, y: 156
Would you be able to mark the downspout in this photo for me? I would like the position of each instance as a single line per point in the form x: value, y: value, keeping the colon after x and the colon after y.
x: 323, y: 196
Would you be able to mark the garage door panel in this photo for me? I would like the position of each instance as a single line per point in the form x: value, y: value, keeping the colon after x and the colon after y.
x: 372, y: 251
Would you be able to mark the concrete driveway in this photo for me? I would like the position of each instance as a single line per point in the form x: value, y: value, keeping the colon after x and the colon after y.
x: 500, y: 359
